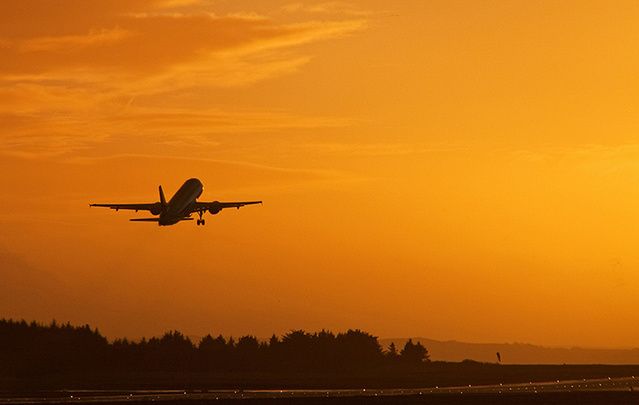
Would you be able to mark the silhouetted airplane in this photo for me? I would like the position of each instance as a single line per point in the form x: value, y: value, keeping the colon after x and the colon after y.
x: 180, y: 206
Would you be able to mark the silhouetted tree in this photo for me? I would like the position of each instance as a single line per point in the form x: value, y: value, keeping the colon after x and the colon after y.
x: 294, y: 349
x: 27, y: 349
x: 213, y: 353
x: 324, y: 351
x: 414, y: 353
x: 357, y: 349
x: 392, y: 354
x: 33, y: 348
x: 246, y: 352
x: 173, y: 351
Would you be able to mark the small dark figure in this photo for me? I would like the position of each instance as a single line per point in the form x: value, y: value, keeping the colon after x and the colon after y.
x: 498, y: 357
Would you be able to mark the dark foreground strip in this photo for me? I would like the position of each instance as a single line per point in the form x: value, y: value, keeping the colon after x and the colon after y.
x: 547, y: 398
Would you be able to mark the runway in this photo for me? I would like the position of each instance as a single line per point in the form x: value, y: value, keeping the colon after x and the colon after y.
x: 611, y: 385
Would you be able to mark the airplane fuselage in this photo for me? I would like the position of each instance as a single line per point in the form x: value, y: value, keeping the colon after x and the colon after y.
x: 180, y: 207
x: 182, y: 201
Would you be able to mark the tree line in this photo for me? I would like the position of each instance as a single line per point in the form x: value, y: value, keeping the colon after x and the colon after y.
x: 27, y: 348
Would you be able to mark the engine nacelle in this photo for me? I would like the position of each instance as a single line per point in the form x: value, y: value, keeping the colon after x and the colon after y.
x: 156, y: 209
x: 215, y: 208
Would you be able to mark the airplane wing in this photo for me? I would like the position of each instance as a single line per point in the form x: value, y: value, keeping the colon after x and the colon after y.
x: 152, y: 207
x: 216, y: 206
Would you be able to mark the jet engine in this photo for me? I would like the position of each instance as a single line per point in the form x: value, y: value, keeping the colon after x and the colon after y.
x: 156, y: 209
x: 214, y: 209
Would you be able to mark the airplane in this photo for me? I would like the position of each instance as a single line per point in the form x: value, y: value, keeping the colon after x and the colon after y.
x: 179, y: 207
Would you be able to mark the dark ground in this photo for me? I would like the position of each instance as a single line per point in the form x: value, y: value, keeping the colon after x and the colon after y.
x: 594, y: 391
x: 558, y: 398
x: 430, y: 375
x: 581, y: 398
x: 436, y: 383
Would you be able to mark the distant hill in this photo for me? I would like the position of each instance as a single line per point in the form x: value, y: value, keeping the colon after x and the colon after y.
x: 519, y: 353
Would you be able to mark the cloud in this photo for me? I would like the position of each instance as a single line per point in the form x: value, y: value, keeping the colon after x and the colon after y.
x: 590, y: 161
x: 74, y: 74
x: 141, y: 45
x: 306, y: 173
x: 63, y: 128
x: 328, y: 7
x: 380, y: 149
x: 140, y: 38
x: 71, y: 183
x: 62, y: 43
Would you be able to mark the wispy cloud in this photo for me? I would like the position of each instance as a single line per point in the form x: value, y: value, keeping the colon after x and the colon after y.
x: 598, y: 160
x: 71, y: 77
x: 380, y: 149
x: 250, y: 165
x: 64, y: 42
x: 52, y: 132
x: 327, y: 7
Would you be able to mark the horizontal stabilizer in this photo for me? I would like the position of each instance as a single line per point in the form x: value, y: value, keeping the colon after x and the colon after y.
x: 144, y: 219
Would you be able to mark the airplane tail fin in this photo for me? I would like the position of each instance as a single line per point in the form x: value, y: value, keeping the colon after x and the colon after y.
x: 162, y: 199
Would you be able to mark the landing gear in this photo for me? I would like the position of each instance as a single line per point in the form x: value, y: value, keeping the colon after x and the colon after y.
x: 201, y: 220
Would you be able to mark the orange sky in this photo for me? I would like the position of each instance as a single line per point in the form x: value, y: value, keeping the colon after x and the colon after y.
x: 453, y: 169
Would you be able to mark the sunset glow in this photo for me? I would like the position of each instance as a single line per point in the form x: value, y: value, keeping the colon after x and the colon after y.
x: 462, y: 170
